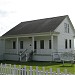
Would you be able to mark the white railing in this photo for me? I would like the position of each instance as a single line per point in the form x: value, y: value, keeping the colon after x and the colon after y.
x: 8, y: 69
x: 67, y: 56
x: 13, y: 51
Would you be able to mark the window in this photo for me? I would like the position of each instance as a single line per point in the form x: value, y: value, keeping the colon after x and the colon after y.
x: 41, y: 44
x: 69, y: 43
x: 50, y: 44
x: 65, y: 43
x: 66, y: 27
x: 21, y: 44
x: 14, y: 44
x: 35, y: 44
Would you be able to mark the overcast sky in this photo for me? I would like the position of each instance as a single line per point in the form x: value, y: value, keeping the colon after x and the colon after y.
x: 13, y: 12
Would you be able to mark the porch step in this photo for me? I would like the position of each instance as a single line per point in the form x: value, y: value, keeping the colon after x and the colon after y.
x: 27, y: 56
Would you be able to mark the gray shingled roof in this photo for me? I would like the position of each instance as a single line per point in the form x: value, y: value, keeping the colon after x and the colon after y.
x: 36, y: 26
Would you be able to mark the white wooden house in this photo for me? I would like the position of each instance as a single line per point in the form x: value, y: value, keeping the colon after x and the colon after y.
x: 38, y: 40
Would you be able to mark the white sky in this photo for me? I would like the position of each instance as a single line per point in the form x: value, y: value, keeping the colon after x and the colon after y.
x: 13, y: 12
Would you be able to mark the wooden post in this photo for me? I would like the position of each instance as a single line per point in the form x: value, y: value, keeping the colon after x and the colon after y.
x: 19, y: 69
x: 5, y: 44
x: 20, y: 56
x: 58, y: 71
x: 14, y: 70
x: 33, y: 43
x: 54, y: 73
x: 31, y: 70
x: 26, y: 56
x: 1, y: 68
x: 52, y: 47
x: 52, y: 41
x: 46, y: 72
x: 51, y: 71
x: 43, y: 70
x: 10, y: 68
x: 17, y: 46
x: 36, y: 70
x: 25, y: 71
x: 65, y: 72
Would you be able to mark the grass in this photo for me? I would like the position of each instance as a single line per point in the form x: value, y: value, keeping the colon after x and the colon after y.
x: 47, y: 65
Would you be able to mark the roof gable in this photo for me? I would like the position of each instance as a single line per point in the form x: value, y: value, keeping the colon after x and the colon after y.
x: 61, y: 27
x: 36, y: 26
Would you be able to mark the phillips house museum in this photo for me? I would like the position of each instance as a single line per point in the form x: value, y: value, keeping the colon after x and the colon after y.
x: 38, y: 40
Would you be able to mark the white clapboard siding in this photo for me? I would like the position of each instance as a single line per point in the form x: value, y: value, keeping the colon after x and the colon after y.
x: 8, y: 69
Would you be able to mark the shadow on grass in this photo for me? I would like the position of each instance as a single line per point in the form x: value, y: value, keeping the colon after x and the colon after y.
x: 32, y: 63
x: 37, y: 63
x: 67, y: 66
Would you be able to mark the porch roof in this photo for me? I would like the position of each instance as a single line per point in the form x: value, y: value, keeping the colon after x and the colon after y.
x: 31, y: 35
x: 36, y: 26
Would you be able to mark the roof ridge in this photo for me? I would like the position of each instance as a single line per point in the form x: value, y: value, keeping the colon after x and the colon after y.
x: 43, y: 18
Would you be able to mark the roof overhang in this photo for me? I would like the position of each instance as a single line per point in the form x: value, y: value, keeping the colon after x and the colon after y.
x: 31, y: 35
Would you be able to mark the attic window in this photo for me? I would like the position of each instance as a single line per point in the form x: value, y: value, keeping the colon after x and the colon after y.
x: 66, y: 27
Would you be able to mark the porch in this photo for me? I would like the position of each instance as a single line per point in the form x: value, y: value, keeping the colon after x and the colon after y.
x: 43, y: 45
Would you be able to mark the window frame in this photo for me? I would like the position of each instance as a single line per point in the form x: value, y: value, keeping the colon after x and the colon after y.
x: 21, y: 45
x: 66, y: 44
x: 41, y: 44
x: 35, y: 44
x: 70, y: 44
x: 14, y: 45
x: 66, y: 28
x: 50, y: 44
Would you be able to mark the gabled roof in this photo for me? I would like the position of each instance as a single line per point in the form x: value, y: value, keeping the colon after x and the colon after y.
x: 36, y: 26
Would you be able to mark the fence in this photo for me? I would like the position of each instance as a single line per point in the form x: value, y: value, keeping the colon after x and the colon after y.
x: 8, y: 69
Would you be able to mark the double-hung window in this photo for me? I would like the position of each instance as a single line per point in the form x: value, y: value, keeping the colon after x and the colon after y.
x: 21, y: 44
x: 66, y: 27
x: 69, y: 43
x: 35, y: 44
x: 14, y: 44
x: 50, y: 44
x: 65, y: 43
x: 41, y: 44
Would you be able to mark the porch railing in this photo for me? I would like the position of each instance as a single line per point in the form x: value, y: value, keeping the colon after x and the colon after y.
x: 64, y: 56
x: 11, y: 51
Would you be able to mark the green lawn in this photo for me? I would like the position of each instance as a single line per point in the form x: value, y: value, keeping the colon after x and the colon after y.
x: 47, y: 65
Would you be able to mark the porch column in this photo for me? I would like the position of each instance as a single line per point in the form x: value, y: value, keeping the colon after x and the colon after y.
x: 5, y: 45
x: 17, y: 45
x: 52, y: 41
x: 33, y: 43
